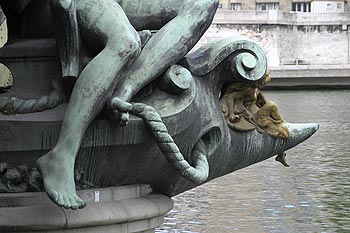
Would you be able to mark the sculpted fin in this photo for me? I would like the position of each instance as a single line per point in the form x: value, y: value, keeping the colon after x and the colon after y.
x: 209, y: 56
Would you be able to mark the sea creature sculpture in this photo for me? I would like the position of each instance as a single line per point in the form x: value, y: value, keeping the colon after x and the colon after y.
x: 187, y: 116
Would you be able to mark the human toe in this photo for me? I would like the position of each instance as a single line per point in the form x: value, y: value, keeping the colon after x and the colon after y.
x: 81, y: 203
x: 67, y: 203
x: 60, y: 199
x: 74, y: 204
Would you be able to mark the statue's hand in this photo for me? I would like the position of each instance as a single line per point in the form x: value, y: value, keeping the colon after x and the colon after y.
x: 120, y: 109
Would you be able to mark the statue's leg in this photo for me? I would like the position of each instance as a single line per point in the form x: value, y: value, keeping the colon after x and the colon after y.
x: 183, y: 23
x: 106, y: 21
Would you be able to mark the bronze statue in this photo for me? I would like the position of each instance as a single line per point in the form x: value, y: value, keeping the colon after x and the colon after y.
x: 109, y: 27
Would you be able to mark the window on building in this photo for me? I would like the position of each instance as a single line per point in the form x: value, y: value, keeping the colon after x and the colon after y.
x: 301, y: 6
x: 339, y: 5
x: 220, y: 5
x: 236, y: 6
x: 329, y: 7
x: 267, y: 6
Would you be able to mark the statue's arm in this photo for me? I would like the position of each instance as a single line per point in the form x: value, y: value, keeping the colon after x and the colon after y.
x: 67, y: 35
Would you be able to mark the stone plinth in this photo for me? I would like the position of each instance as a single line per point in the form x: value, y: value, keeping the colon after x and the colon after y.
x: 123, y: 209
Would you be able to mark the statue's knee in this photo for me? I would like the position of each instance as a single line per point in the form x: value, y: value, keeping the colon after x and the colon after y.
x: 202, y: 5
x: 212, y: 3
x: 134, y: 47
x: 127, y: 48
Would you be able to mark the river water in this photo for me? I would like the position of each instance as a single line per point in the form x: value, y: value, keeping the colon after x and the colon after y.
x: 312, y: 195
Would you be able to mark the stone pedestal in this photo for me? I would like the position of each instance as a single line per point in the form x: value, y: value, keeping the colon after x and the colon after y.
x: 123, y: 209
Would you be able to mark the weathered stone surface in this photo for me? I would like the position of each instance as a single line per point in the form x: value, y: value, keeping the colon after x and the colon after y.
x: 135, y: 209
x: 6, y: 79
x: 3, y: 29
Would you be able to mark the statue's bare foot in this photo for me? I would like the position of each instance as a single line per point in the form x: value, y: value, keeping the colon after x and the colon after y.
x: 58, y: 175
x: 120, y: 109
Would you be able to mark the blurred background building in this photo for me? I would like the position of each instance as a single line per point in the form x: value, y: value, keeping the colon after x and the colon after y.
x: 301, y: 38
x: 318, y: 6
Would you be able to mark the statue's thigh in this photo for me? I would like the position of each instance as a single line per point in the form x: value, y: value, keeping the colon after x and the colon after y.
x: 145, y: 14
x: 101, y: 21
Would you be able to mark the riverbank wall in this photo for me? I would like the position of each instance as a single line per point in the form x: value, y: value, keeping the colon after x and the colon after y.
x: 304, y: 50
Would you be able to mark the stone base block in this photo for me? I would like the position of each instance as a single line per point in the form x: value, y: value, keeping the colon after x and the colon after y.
x: 123, y: 209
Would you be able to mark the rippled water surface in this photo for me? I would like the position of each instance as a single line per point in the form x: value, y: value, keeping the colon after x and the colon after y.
x: 313, y: 195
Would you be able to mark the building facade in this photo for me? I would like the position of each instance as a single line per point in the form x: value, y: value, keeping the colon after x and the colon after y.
x: 288, y: 38
x: 316, y: 6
